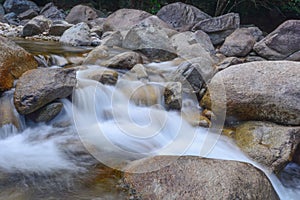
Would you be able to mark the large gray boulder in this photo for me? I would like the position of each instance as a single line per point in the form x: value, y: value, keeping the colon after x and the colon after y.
x: 36, y: 26
x: 14, y: 61
x: 188, y: 177
x: 151, y: 41
x: 240, y: 42
x: 78, y: 35
x: 124, y: 19
x: 267, y: 143
x: 50, y: 11
x: 19, y: 6
x: 191, y: 45
x: 36, y: 88
x: 282, y: 43
x: 218, y: 28
x: 81, y: 13
x: 265, y: 91
x: 221, y: 23
x: 181, y: 16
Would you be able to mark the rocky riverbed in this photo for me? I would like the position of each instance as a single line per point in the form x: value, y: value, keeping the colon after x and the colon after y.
x: 213, y: 72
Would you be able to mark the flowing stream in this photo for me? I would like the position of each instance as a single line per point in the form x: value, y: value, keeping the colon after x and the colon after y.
x: 64, y: 159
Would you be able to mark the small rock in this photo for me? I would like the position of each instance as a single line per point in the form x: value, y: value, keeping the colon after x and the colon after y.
x: 7, y: 113
x: 173, y: 96
x: 58, y: 27
x: 220, y: 36
x: 139, y: 72
x: 78, y: 35
x: 46, y: 113
x: 97, y: 55
x: 193, y: 74
x: 104, y: 76
x: 124, y: 60
x: 227, y: 62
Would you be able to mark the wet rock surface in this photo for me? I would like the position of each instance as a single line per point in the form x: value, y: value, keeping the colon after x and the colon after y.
x: 186, y: 177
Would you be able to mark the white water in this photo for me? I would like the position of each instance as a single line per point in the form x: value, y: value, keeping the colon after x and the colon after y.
x: 110, y: 125
x: 115, y: 130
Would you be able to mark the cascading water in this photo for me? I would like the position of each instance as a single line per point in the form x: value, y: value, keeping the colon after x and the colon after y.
x: 112, y: 126
x: 115, y: 131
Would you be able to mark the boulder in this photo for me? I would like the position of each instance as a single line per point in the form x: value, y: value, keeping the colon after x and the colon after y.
x: 36, y: 26
x: 112, y: 38
x: 81, y: 13
x: 50, y: 11
x: 28, y: 14
x: 151, y: 41
x: 96, y: 56
x: 12, y: 19
x: 2, y: 11
x: 124, y: 19
x: 154, y: 21
x: 219, y: 37
x: 58, y: 27
x: 124, y: 60
x: 14, y: 61
x: 193, y: 74
x: 189, y: 177
x: 240, y: 42
x: 46, y: 113
x: 264, y: 91
x: 19, y: 6
x: 282, y: 43
x: 181, y: 16
x: 36, y: 88
x: 221, y: 23
x: 173, y: 95
x: 267, y: 143
x: 191, y: 45
x: 78, y: 35
x: 104, y: 76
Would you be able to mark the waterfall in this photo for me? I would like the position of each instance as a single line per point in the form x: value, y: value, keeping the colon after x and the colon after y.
x: 114, y: 130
